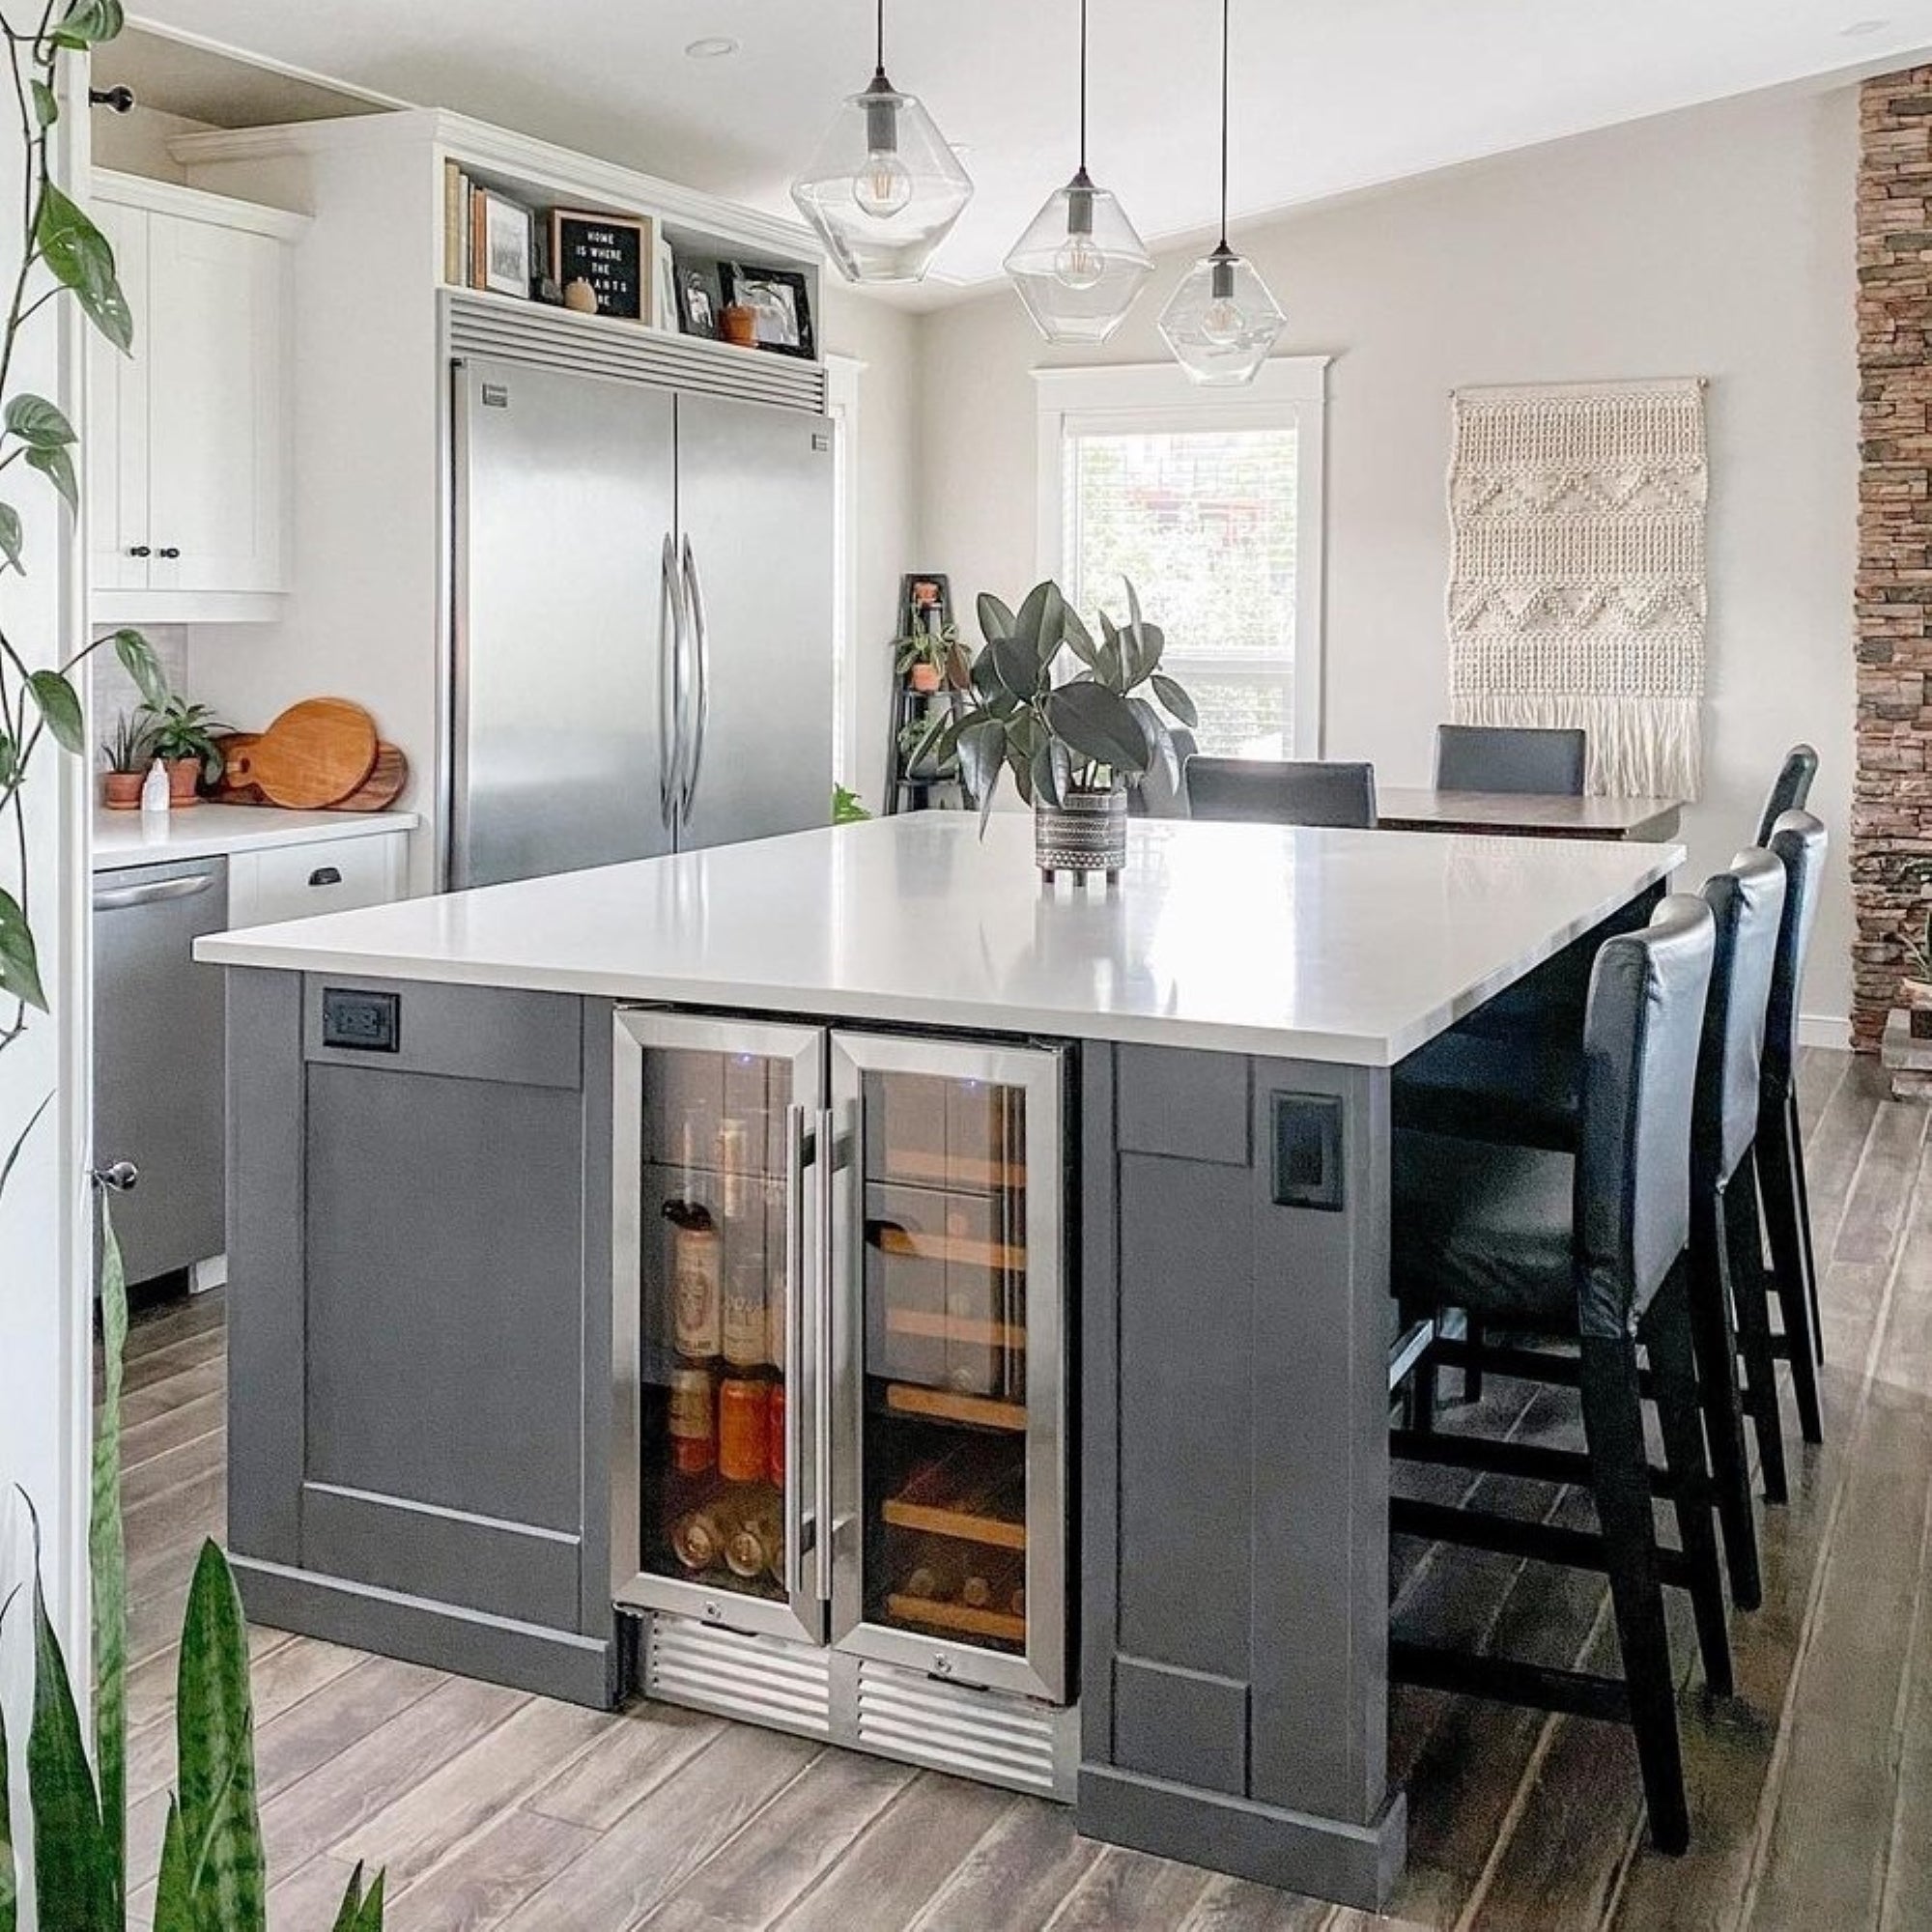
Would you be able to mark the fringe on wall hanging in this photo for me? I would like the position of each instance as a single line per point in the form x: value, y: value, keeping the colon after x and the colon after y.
x: 1577, y: 587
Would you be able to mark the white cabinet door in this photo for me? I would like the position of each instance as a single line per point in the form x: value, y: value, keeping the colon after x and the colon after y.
x: 114, y: 453
x: 218, y: 363
x: 279, y: 882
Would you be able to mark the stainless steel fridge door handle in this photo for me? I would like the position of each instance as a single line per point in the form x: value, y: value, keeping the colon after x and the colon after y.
x: 799, y: 1153
x: 829, y: 1289
x: 111, y: 898
x: 700, y: 634
x: 670, y: 649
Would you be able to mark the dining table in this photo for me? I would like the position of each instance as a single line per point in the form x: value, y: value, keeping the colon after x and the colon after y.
x: 1526, y: 814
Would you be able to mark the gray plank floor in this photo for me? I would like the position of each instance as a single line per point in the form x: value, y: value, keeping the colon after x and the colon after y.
x: 1811, y: 1789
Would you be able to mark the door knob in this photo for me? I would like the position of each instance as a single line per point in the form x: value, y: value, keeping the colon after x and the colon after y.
x: 118, y: 1176
x: 169, y: 551
x: 140, y: 550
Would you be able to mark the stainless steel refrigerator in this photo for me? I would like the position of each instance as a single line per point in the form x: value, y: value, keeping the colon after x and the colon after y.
x: 642, y: 621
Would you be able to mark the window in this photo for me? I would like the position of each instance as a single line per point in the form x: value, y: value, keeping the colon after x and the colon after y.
x: 1210, y: 502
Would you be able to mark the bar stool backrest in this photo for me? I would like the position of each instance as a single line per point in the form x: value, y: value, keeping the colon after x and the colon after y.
x: 1268, y: 791
x: 1155, y: 797
x: 1641, y: 1029
x: 1747, y: 906
x: 1497, y: 757
x: 1789, y: 790
x: 1798, y: 841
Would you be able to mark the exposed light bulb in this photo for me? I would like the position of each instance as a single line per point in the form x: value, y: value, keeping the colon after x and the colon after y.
x: 1079, y: 263
x: 1224, y: 321
x: 883, y: 187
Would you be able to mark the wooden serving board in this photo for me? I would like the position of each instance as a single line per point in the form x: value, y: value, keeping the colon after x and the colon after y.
x: 236, y: 783
x: 383, y: 787
x: 316, y: 753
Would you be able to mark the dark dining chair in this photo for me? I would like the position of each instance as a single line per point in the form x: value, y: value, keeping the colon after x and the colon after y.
x: 1790, y: 790
x: 1155, y: 797
x: 1268, y: 791
x: 1497, y: 757
x: 1593, y: 1248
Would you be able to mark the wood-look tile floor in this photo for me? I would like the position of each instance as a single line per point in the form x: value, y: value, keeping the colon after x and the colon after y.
x: 1811, y: 1789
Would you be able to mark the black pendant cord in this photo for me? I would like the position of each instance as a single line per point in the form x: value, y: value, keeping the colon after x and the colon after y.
x: 879, y: 65
x: 1225, y: 5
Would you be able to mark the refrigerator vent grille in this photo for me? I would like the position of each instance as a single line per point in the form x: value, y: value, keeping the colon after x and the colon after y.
x: 555, y: 338
x: 976, y: 1734
x: 762, y: 1679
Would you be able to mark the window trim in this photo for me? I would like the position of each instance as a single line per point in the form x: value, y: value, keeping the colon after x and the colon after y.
x: 1289, y: 392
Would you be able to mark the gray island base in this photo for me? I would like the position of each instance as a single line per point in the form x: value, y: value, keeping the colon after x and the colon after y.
x: 421, y: 1388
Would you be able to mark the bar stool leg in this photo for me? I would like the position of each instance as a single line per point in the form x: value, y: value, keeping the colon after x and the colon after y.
x: 1777, y: 1190
x: 1744, y: 1234
x: 1613, y: 1427
x: 1667, y: 1331
x: 1794, y: 1129
x: 1472, y: 1375
x: 1714, y: 1344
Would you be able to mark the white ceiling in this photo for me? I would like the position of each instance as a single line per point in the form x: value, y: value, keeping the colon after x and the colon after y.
x: 1329, y: 94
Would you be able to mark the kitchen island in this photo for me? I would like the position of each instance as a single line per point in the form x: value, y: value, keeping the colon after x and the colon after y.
x: 475, y: 1240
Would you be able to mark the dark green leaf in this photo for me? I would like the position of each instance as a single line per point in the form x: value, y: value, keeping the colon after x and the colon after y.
x: 1017, y: 667
x: 982, y: 746
x: 87, y: 23
x: 1110, y: 666
x: 214, y: 1728
x: 1176, y: 699
x: 57, y: 465
x: 1162, y: 755
x: 370, y: 1918
x: 1151, y: 641
x: 37, y: 423
x: 80, y: 257
x: 1098, y: 725
x: 46, y: 109
x: 60, y: 706
x: 138, y: 660
x: 10, y: 1871
x: 6, y: 1173
x: 19, y: 960
x: 107, y: 1564
x: 11, y: 537
x: 1041, y: 621
x: 8, y: 752
x: 1079, y: 638
x: 73, y: 1876
x: 174, y: 1891
x: 995, y: 620
x: 1045, y: 773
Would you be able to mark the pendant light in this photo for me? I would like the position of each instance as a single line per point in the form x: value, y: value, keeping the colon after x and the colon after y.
x: 1079, y: 265
x: 883, y: 188
x: 1221, y: 322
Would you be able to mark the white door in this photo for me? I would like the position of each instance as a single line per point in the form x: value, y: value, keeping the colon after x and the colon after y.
x: 115, y: 454
x: 217, y: 335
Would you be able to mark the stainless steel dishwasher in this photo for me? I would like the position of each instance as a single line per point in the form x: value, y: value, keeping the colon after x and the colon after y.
x: 160, y: 1059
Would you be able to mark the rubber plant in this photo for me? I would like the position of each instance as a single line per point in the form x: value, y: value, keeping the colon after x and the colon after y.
x: 212, y: 1876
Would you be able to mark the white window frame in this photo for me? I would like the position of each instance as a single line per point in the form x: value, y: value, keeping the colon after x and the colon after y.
x: 1150, y: 398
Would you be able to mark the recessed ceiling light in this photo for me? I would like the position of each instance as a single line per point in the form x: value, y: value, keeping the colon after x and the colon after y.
x: 1859, y: 27
x: 713, y: 47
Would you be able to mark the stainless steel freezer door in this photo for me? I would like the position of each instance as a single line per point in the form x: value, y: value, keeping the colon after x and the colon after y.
x: 754, y: 510
x: 564, y: 500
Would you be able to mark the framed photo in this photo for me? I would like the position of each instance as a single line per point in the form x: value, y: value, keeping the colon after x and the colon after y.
x: 663, y: 306
x: 506, y: 247
x: 611, y: 252
x: 925, y: 602
x: 780, y: 301
x: 697, y: 304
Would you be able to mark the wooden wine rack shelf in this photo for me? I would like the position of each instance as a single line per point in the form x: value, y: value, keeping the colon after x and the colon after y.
x: 898, y: 1241
x: 934, y: 1326
x: 961, y: 1525
x: 945, y: 1406
x: 959, y: 1617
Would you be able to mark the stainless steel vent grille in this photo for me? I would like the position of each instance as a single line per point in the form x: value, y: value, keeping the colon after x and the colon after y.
x: 500, y: 326
x: 762, y: 1679
x: 979, y: 1734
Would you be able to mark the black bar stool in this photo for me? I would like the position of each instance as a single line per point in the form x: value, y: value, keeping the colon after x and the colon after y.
x: 1594, y: 1248
x: 1508, y: 758
x: 1790, y: 790
x: 1275, y: 791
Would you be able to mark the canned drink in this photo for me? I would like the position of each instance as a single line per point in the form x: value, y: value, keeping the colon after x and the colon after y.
x: 741, y: 1429
x: 694, y: 1435
x: 775, y: 1435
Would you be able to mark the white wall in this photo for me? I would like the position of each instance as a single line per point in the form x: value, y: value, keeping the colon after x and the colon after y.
x: 1715, y: 242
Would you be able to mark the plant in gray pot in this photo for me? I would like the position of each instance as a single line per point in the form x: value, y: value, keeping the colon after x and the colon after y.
x: 1073, y: 748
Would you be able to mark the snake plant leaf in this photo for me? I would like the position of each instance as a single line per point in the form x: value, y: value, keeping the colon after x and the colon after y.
x: 1097, y: 723
x: 1174, y: 698
x: 60, y: 706
x: 72, y: 1873
x: 81, y: 258
x: 57, y: 466
x: 19, y: 960
x: 981, y: 749
x: 996, y: 621
x: 360, y: 1912
x: 174, y: 1889
x: 1041, y: 621
x: 38, y: 422
x: 10, y: 1871
x: 370, y: 1919
x: 107, y: 1564
x: 12, y: 539
x: 138, y: 660
x: 215, y: 1727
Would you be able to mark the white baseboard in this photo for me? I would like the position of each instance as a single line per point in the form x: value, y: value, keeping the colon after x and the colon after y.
x: 1824, y: 1030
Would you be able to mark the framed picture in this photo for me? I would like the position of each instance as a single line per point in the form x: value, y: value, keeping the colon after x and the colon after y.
x: 697, y: 304
x: 779, y: 303
x: 664, y: 305
x: 611, y: 252
x: 506, y: 247
x: 925, y: 602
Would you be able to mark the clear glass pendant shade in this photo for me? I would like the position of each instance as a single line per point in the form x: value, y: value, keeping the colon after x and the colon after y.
x: 1079, y: 265
x: 1221, y: 322
x: 883, y: 189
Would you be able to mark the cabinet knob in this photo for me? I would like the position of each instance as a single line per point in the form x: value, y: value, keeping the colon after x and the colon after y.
x: 167, y: 550
x: 140, y: 550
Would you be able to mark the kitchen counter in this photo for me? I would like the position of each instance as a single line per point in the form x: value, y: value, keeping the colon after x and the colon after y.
x: 1348, y: 947
x: 208, y: 831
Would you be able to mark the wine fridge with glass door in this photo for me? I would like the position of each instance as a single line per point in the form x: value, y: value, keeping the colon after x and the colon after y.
x: 840, y: 1502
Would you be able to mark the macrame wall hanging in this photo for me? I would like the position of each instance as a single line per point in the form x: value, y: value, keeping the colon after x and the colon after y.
x: 1576, y: 590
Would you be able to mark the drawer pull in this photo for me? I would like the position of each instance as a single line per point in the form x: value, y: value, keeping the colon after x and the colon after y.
x: 326, y: 875
x: 111, y: 898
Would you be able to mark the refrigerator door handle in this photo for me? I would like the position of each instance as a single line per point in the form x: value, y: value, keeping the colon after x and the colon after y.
x: 800, y: 1153
x: 830, y: 1289
x: 700, y: 633
x: 671, y: 652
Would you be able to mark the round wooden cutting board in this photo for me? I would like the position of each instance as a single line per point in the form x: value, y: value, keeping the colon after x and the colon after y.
x: 381, y: 787
x: 316, y: 752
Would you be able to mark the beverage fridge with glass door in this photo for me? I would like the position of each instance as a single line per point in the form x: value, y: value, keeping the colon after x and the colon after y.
x: 839, y: 1503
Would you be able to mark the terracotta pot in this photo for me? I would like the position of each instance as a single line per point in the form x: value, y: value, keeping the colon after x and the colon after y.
x: 740, y: 324
x: 184, y: 775
x: 1086, y: 832
x: 121, y: 791
x: 925, y: 678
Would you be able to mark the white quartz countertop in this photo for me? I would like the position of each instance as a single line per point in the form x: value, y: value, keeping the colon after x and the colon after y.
x: 1354, y: 947
x: 205, y: 831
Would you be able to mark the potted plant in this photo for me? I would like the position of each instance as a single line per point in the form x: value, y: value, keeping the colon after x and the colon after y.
x: 183, y: 735
x: 1073, y: 748
x: 925, y: 657
x: 127, y: 751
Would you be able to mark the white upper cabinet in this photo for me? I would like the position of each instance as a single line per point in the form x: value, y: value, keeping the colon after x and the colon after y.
x: 187, y: 441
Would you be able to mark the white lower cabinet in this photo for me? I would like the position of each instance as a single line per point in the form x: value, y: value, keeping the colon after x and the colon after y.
x: 282, y: 882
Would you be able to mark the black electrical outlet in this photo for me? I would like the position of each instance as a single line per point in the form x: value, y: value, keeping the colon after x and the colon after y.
x: 361, y: 1022
x: 1308, y: 1151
